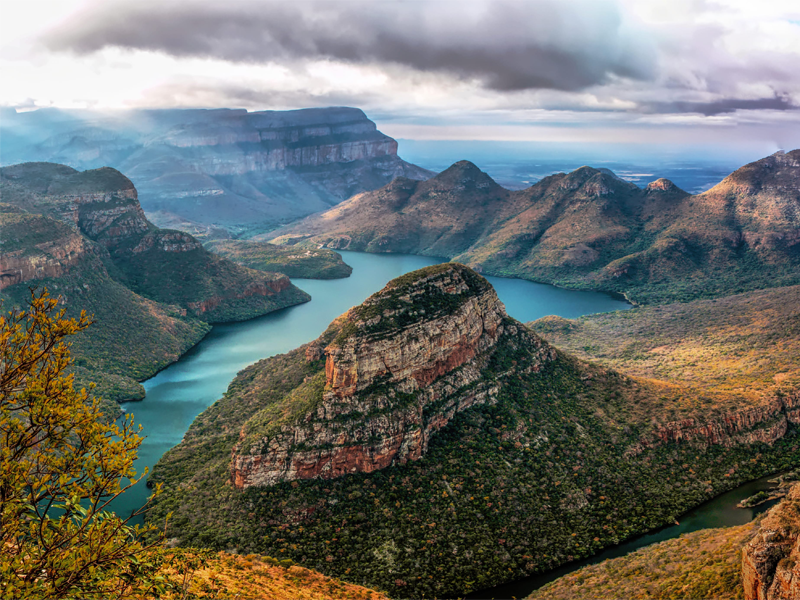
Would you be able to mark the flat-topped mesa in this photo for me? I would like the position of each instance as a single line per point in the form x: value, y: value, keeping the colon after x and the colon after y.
x: 403, y: 364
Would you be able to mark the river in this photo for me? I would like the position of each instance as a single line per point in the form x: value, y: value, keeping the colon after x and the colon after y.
x: 179, y: 393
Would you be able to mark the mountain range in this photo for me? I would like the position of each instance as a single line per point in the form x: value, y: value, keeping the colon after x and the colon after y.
x: 587, y: 229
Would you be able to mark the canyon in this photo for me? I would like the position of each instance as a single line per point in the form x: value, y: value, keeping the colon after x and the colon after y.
x: 426, y: 408
x: 211, y: 172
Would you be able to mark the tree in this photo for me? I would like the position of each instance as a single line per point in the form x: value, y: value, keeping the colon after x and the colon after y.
x: 61, y: 464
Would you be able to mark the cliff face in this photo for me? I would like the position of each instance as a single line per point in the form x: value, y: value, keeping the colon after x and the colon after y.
x: 771, y: 560
x: 395, y: 375
x: 53, y: 252
x: 762, y: 424
x: 208, y: 169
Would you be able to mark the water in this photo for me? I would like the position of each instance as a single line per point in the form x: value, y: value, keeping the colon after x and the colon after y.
x: 185, y: 389
x: 719, y: 512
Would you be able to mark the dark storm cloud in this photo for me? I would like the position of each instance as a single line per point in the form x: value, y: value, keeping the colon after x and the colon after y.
x: 718, y: 107
x: 506, y: 45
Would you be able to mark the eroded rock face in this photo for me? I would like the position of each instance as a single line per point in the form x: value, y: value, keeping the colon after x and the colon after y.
x: 51, y: 259
x: 406, y: 361
x: 771, y: 560
x: 762, y: 424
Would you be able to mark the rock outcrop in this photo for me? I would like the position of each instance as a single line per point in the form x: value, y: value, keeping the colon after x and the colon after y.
x: 771, y: 560
x: 762, y: 424
x: 403, y: 364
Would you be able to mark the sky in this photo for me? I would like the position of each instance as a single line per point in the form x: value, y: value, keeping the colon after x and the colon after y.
x: 632, y: 71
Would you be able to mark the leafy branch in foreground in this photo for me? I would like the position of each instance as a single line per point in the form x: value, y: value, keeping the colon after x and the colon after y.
x: 61, y: 464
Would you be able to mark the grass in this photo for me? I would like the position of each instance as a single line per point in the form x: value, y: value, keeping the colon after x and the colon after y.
x: 734, y: 350
x: 703, y: 565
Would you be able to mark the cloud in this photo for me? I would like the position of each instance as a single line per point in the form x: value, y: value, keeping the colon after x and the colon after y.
x: 719, y: 107
x: 504, y: 45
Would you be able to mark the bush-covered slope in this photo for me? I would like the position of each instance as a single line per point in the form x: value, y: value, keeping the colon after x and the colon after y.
x: 557, y: 462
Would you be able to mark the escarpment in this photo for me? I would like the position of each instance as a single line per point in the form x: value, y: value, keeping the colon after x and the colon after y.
x: 403, y: 364
x: 764, y: 424
x: 771, y: 560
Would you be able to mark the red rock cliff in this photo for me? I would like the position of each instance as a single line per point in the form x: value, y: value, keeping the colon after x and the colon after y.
x: 399, y: 371
x: 771, y: 560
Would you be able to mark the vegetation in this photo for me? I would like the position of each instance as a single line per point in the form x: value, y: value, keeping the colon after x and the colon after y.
x: 541, y: 478
x: 704, y: 565
x: 732, y: 351
x: 292, y: 262
x: 61, y: 463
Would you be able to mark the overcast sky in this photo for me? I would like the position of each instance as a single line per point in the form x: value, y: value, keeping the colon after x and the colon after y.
x: 567, y: 70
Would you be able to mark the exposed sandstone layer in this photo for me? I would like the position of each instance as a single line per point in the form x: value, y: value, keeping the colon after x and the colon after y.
x: 405, y: 363
x: 48, y: 259
x: 771, y: 560
x: 271, y: 287
x: 762, y: 424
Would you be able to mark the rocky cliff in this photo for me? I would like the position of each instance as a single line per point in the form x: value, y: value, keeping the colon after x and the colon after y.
x: 771, y: 560
x: 404, y: 363
x: 206, y: 169
x: 163, y: 265
x: 764, y: 424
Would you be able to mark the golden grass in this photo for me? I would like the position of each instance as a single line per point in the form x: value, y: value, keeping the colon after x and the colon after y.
x: 703, y: 565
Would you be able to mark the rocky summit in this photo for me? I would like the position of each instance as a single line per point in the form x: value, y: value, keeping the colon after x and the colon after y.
x: 403, y: 364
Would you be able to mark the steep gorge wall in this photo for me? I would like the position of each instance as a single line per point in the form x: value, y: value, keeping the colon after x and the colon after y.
x: 765, y: 424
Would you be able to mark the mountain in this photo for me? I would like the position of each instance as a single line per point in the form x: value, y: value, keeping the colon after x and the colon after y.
x: 292, y: 262
x: 427, y: 444
x: 208, y: 171
x: 84, y: 236
x: 587, y: 229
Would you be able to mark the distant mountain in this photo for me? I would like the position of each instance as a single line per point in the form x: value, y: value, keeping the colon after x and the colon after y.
x: 84, y: 236
x: 586, y: 229
x: 223, y: 169
x: 428, y: 445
